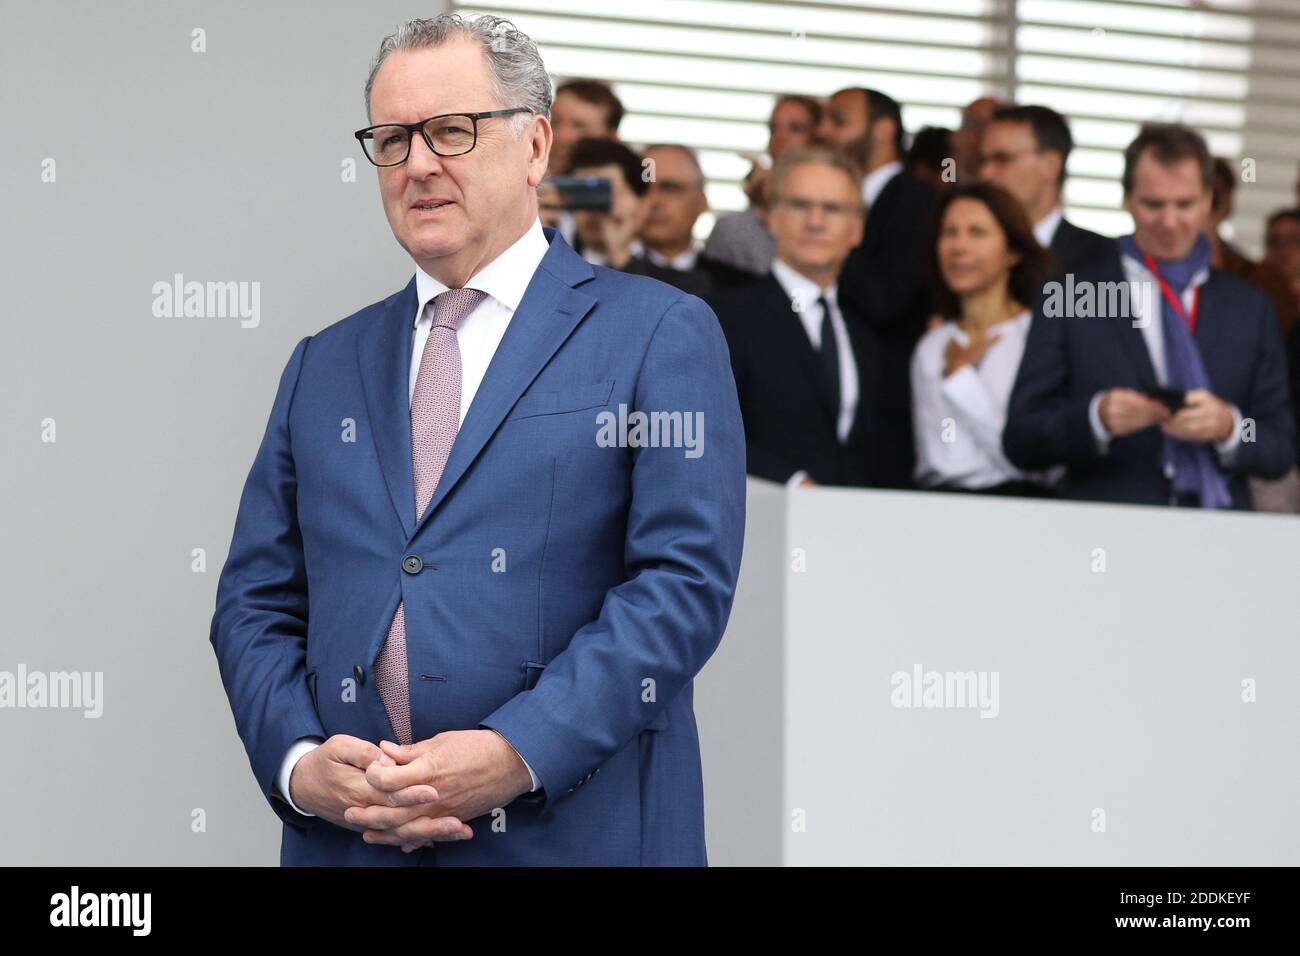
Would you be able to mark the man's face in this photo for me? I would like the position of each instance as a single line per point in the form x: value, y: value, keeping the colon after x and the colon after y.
x: 625, y: 206
x: 574, y: 119
x: 1282, y: 248
x: 790, y: 127
x: 674, y: 201
x: 488, y: 193
x: 818, y: 218
x: 1169, y: 206
x: 845, y: 124
x: 1010, y: 158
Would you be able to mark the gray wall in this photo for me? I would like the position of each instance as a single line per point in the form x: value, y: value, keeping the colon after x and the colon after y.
x: 225, y: 165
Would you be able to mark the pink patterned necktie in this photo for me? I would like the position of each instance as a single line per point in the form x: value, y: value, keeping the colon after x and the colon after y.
x: 435, y: 419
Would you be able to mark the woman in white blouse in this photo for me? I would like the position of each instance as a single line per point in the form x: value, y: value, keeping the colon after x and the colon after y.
x: 989, y: 268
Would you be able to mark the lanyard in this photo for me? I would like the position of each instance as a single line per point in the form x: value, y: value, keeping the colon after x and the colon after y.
x: 1168, y: 293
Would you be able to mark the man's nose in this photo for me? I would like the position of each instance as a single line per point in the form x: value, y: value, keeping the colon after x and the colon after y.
x: 422, y: 161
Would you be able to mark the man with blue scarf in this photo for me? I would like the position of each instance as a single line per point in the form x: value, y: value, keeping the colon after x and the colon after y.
x: 1152, y: 377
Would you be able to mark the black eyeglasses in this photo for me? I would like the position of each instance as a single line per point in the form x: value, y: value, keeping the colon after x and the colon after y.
x: 450, y: 134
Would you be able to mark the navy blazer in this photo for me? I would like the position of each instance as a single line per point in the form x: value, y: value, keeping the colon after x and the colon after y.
x: 566, y: 592
x: 1069, y: 359
x: 790, y: 417
x: 1076, y: 248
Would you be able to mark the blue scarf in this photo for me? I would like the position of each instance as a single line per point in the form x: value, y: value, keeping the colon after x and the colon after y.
x: 1195, y: 467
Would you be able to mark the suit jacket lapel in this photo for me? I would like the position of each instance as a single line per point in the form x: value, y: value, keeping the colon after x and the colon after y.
x: 796, y: 339
x: 1132, y: 341
x: 384, y: 361
x: 549, y: 311
x: 1213, y: 329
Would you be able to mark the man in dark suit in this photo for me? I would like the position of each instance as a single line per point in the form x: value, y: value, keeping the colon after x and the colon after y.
x: 1024, y: 150
x: 1152, y: 377
x: 884, y: 278
x: 806, y: 367
x: 674, y: 201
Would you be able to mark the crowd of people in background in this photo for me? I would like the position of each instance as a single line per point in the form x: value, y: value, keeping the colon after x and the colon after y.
x: 923, y: 314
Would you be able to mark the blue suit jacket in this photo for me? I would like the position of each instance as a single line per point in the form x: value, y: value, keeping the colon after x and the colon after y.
x: 620, y: 564
x: 1069, y: 359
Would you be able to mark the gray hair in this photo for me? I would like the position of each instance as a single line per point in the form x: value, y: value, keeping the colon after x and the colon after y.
x: 814, y: 156
x: 519, y: 77
x: 692, y: 157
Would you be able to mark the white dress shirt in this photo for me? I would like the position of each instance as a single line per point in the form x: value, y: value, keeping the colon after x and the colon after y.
x: 504, y: 279
x: 683, y: 262
x: 634, y: 249
x: 877, y: 180
x: 805, y: 292
x: 957, y: 421
x: 1146, y: 301
x: 1045, y: 228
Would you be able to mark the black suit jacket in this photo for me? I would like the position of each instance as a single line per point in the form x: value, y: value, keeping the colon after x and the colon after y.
x: 1067, y: 360
x: 790, y: 421
x: 1075, y: 247
x: 709, y: 277
x: 886, y: 281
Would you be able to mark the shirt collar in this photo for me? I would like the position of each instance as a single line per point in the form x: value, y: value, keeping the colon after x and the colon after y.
x: 1046, y: 227
x: 504, y: 278
x: 683, y: 262
x: 877, y: 179
x: 798, y: 286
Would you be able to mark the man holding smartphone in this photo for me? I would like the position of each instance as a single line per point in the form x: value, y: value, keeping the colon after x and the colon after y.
x: 1172, y: 393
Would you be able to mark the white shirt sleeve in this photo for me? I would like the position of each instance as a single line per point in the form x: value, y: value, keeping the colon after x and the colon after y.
x: 297, y: 750
x: 1098, y: 429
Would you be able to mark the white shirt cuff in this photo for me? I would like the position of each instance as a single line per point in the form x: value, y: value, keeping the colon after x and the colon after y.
x: 297, y: 750
x: 536, y: 783
x: 1098, y: 429
x: 1227, y: 448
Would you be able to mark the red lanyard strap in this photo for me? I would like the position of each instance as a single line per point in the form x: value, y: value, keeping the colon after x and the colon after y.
x: 1188, y: 317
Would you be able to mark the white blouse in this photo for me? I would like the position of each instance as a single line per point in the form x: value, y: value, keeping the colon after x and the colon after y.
x: 957, y: 421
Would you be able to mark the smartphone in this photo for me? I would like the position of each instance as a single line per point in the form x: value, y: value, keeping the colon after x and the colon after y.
x: 583, y: 192
x: 1171, y: 398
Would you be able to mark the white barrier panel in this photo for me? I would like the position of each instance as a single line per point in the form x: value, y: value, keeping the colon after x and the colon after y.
x: 937, y: 679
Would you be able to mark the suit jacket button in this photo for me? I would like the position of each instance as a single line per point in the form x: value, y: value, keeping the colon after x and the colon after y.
x: 412, y: 564
x: 359, y: 673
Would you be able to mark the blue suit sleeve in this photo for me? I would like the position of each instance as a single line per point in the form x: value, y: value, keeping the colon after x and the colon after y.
x: 259, y: 627
x: 685, y: 531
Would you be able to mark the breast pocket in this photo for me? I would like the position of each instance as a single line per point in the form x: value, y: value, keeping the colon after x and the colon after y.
x: 557, y: 401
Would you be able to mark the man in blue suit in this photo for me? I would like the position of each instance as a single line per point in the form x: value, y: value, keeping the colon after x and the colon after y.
x: 486, y: 545
x: 1153, y: 378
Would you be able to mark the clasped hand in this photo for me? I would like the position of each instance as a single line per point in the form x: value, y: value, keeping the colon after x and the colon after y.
x: 409, y: 795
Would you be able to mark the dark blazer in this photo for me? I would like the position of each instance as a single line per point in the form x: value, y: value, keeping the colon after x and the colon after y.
x: 886, y: 281
x: 1075, y: 247
x: 1067, y: 360
x: 790, y: 421
x: 708, y: 277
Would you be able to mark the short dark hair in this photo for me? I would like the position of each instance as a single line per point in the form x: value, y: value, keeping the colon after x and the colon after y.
x: 593, y: 151
x: 880, y: 106
x: 1275, y: 218
x: 1027, y: 275
x: 1169, y: 143
x: 596, y: 93
x: 931, y: 146
x: 1050, y: 130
